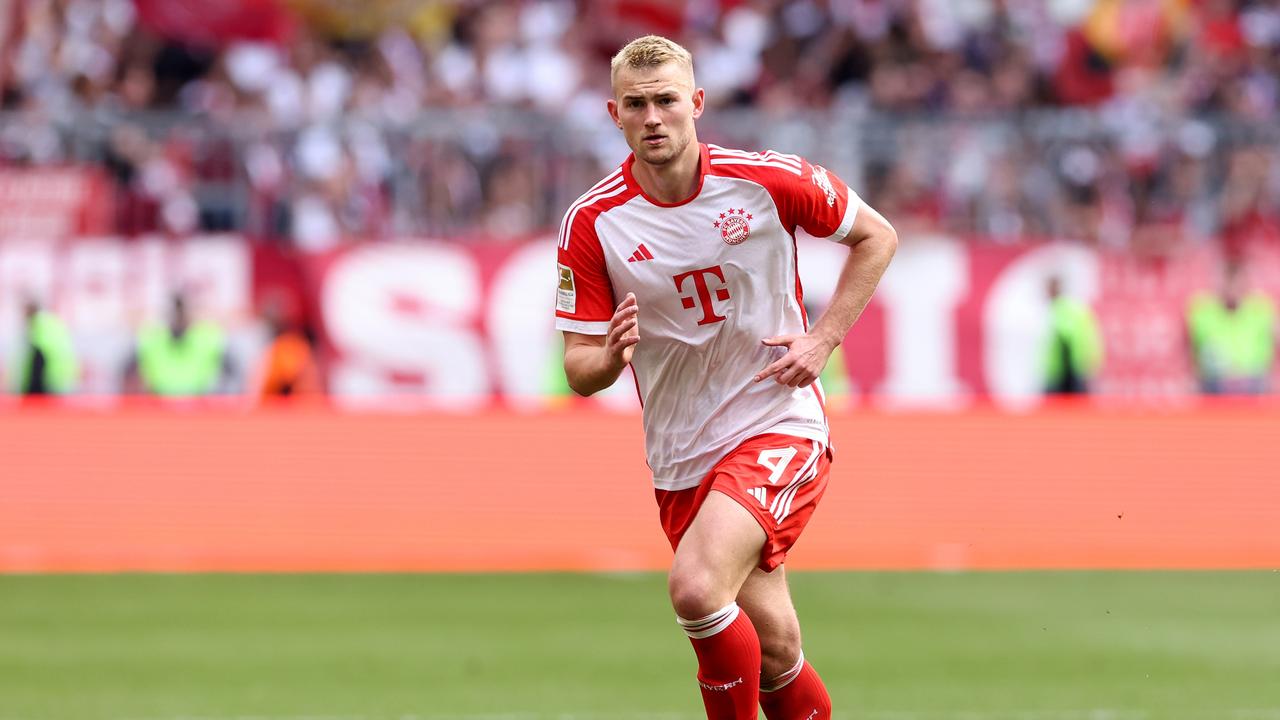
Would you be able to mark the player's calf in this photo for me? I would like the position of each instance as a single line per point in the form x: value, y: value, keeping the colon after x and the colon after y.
x: 779, y: 648
x: 795, y: 694
x: 728, y: 651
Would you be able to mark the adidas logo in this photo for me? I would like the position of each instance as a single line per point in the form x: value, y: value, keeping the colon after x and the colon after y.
x: 759, y: 494
x: 641, y: 254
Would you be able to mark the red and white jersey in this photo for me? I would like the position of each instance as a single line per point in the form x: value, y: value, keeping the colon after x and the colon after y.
x: 713, y: 276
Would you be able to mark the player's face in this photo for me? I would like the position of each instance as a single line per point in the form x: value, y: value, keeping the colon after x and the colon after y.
x: 655, y: 107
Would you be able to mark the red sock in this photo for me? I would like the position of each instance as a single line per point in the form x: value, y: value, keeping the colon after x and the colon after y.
x: 797, y: 694
x: 728, y: 652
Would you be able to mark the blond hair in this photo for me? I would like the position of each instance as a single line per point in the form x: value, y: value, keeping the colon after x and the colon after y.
x: 650, y: 51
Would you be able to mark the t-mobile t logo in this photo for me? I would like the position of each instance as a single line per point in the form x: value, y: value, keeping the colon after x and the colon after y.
x: 703, y: 292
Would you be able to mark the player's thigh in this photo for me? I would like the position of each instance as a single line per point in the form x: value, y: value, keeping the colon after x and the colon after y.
x: 715, y: 556
x: 766, y: 598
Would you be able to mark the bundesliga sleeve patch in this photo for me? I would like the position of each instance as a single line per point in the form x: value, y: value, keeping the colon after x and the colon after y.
x: 566, y: 295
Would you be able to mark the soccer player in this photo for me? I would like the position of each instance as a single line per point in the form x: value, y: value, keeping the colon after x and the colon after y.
x: 682, y: 263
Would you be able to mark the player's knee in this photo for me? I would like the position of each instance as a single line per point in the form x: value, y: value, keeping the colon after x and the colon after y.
x: 694, y: 593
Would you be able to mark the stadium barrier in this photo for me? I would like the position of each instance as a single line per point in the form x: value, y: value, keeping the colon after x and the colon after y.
x: 216, y: 487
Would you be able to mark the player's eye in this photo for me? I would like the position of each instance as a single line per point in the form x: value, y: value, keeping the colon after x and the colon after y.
x: 635, y: 103
x: 667, y: 100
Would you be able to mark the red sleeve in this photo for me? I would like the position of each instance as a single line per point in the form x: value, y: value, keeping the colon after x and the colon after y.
x: 817, y: 201
x: 584, y: 295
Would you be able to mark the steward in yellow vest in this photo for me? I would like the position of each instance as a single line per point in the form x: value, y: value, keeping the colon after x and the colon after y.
x: 1233, y: 338
x: 182, y: 359
x: 47, y: 363
x: 1072, y: 355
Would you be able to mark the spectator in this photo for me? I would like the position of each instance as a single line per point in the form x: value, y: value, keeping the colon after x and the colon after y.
x: 311, y: 123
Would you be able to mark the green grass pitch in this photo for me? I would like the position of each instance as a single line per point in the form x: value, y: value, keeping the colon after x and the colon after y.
x: 892, y: 646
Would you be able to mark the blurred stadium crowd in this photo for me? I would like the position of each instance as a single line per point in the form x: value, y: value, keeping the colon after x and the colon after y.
x: 1125, y: 123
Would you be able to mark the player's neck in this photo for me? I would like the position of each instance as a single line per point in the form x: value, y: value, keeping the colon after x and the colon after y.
x: 672, y: 182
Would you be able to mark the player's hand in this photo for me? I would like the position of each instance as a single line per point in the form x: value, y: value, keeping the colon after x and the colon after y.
x: 806, y: 357
x: 624, y: 332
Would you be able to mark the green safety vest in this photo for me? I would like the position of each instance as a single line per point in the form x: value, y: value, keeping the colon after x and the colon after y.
x: 50, y: 337
x: 1232, y: 344
x: 1072, y: 322
x: 187, y: 365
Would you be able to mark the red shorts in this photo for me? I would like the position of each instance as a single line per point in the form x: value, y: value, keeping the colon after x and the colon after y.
x: 777, y: 478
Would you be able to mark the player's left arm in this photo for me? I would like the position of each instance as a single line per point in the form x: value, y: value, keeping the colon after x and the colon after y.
x: 872, y: 243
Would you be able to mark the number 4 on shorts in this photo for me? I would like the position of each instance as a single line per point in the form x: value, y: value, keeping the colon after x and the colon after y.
x: 777, y: 461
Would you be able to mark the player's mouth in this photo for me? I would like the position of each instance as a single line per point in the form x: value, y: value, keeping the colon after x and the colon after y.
x: 652, y: 140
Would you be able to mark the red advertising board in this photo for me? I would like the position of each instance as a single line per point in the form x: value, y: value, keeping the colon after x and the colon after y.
x: 460, y: 326
x: 199, y: 487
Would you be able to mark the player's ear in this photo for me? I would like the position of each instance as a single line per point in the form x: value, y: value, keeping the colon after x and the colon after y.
x: 699, y: 98
x: 613, y: 112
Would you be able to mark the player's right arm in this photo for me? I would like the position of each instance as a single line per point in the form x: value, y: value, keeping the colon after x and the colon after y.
x: 594, y: 362
x: 599, y: 338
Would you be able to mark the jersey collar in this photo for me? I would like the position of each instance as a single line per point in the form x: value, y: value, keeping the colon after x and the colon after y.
x: 704, y: 166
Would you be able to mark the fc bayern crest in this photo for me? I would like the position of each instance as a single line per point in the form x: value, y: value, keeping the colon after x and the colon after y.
x: 734, y: 225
